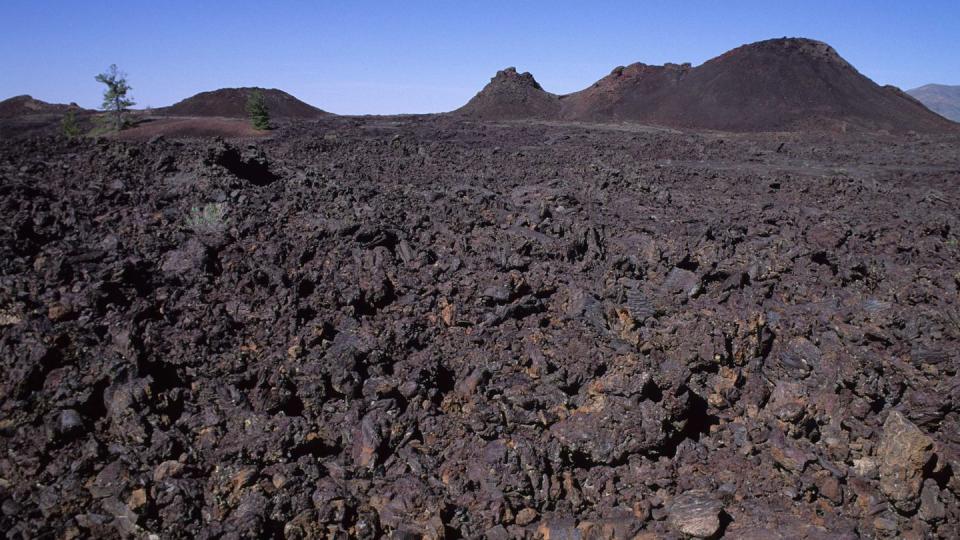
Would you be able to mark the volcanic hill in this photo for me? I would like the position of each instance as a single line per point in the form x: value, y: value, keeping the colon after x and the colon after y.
x: 232, y: 103
x: 778, y: 84
x: 512, y: 95
x: 939, y: 98
x: 26, y: 105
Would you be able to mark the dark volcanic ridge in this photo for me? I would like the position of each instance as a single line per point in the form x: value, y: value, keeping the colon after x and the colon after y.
x: 785, y: 84
x: 232, y: 103
x: 939, y: 98
x: 27, y: 105
x: 778, y: 84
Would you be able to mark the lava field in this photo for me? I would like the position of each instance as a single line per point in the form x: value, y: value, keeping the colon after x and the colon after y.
x: 439, y: 328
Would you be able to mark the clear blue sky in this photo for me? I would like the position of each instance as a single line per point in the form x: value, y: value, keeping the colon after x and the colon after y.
x: 359, y: 56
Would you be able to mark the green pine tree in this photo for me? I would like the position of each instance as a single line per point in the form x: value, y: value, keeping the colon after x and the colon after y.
x: 258, y: 111
x: 69, y: 125
x: 115, y: 98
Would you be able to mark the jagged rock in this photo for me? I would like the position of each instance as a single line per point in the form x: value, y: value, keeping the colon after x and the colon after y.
x: 696, y: 513
x: 611, y: 428
x: 559, y: 529
x: 790, y: 454
x: 168, y: 469
x: 681, y: 281
x: 526, y: 516
x: 903, y: 452
x: 931, y: 508
x: 69, y: 422
x: 192, y: 257
x: 124, y: 519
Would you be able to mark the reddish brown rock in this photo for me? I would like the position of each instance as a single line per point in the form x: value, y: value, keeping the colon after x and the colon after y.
x: 903, y: 452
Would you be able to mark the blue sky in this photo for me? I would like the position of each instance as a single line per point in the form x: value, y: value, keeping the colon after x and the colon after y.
x: 354, y: 57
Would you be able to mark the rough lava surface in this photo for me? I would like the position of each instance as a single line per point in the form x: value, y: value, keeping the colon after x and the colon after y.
x: 441, y: 328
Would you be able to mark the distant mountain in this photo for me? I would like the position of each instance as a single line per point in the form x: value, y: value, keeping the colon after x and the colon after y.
x: 940, y: 98
x: 778, y: 84
x: 232, y: 103
x: 27, y: 105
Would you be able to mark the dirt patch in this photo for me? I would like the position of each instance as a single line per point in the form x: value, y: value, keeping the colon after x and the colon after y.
x: 202, y: 127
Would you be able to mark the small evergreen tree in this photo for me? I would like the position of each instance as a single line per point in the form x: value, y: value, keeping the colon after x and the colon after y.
x: 115, y: 98
x: 69, y: 125
x: 258, y: 111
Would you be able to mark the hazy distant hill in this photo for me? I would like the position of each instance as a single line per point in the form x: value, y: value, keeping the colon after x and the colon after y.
x: 940, y: 98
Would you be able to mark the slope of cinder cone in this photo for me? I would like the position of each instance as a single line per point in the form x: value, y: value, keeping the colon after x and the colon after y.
x: 232, y: 103
x: 27, y: 105
x: 634, y: 92
x: 788, y: 83
x: 512, y: 95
